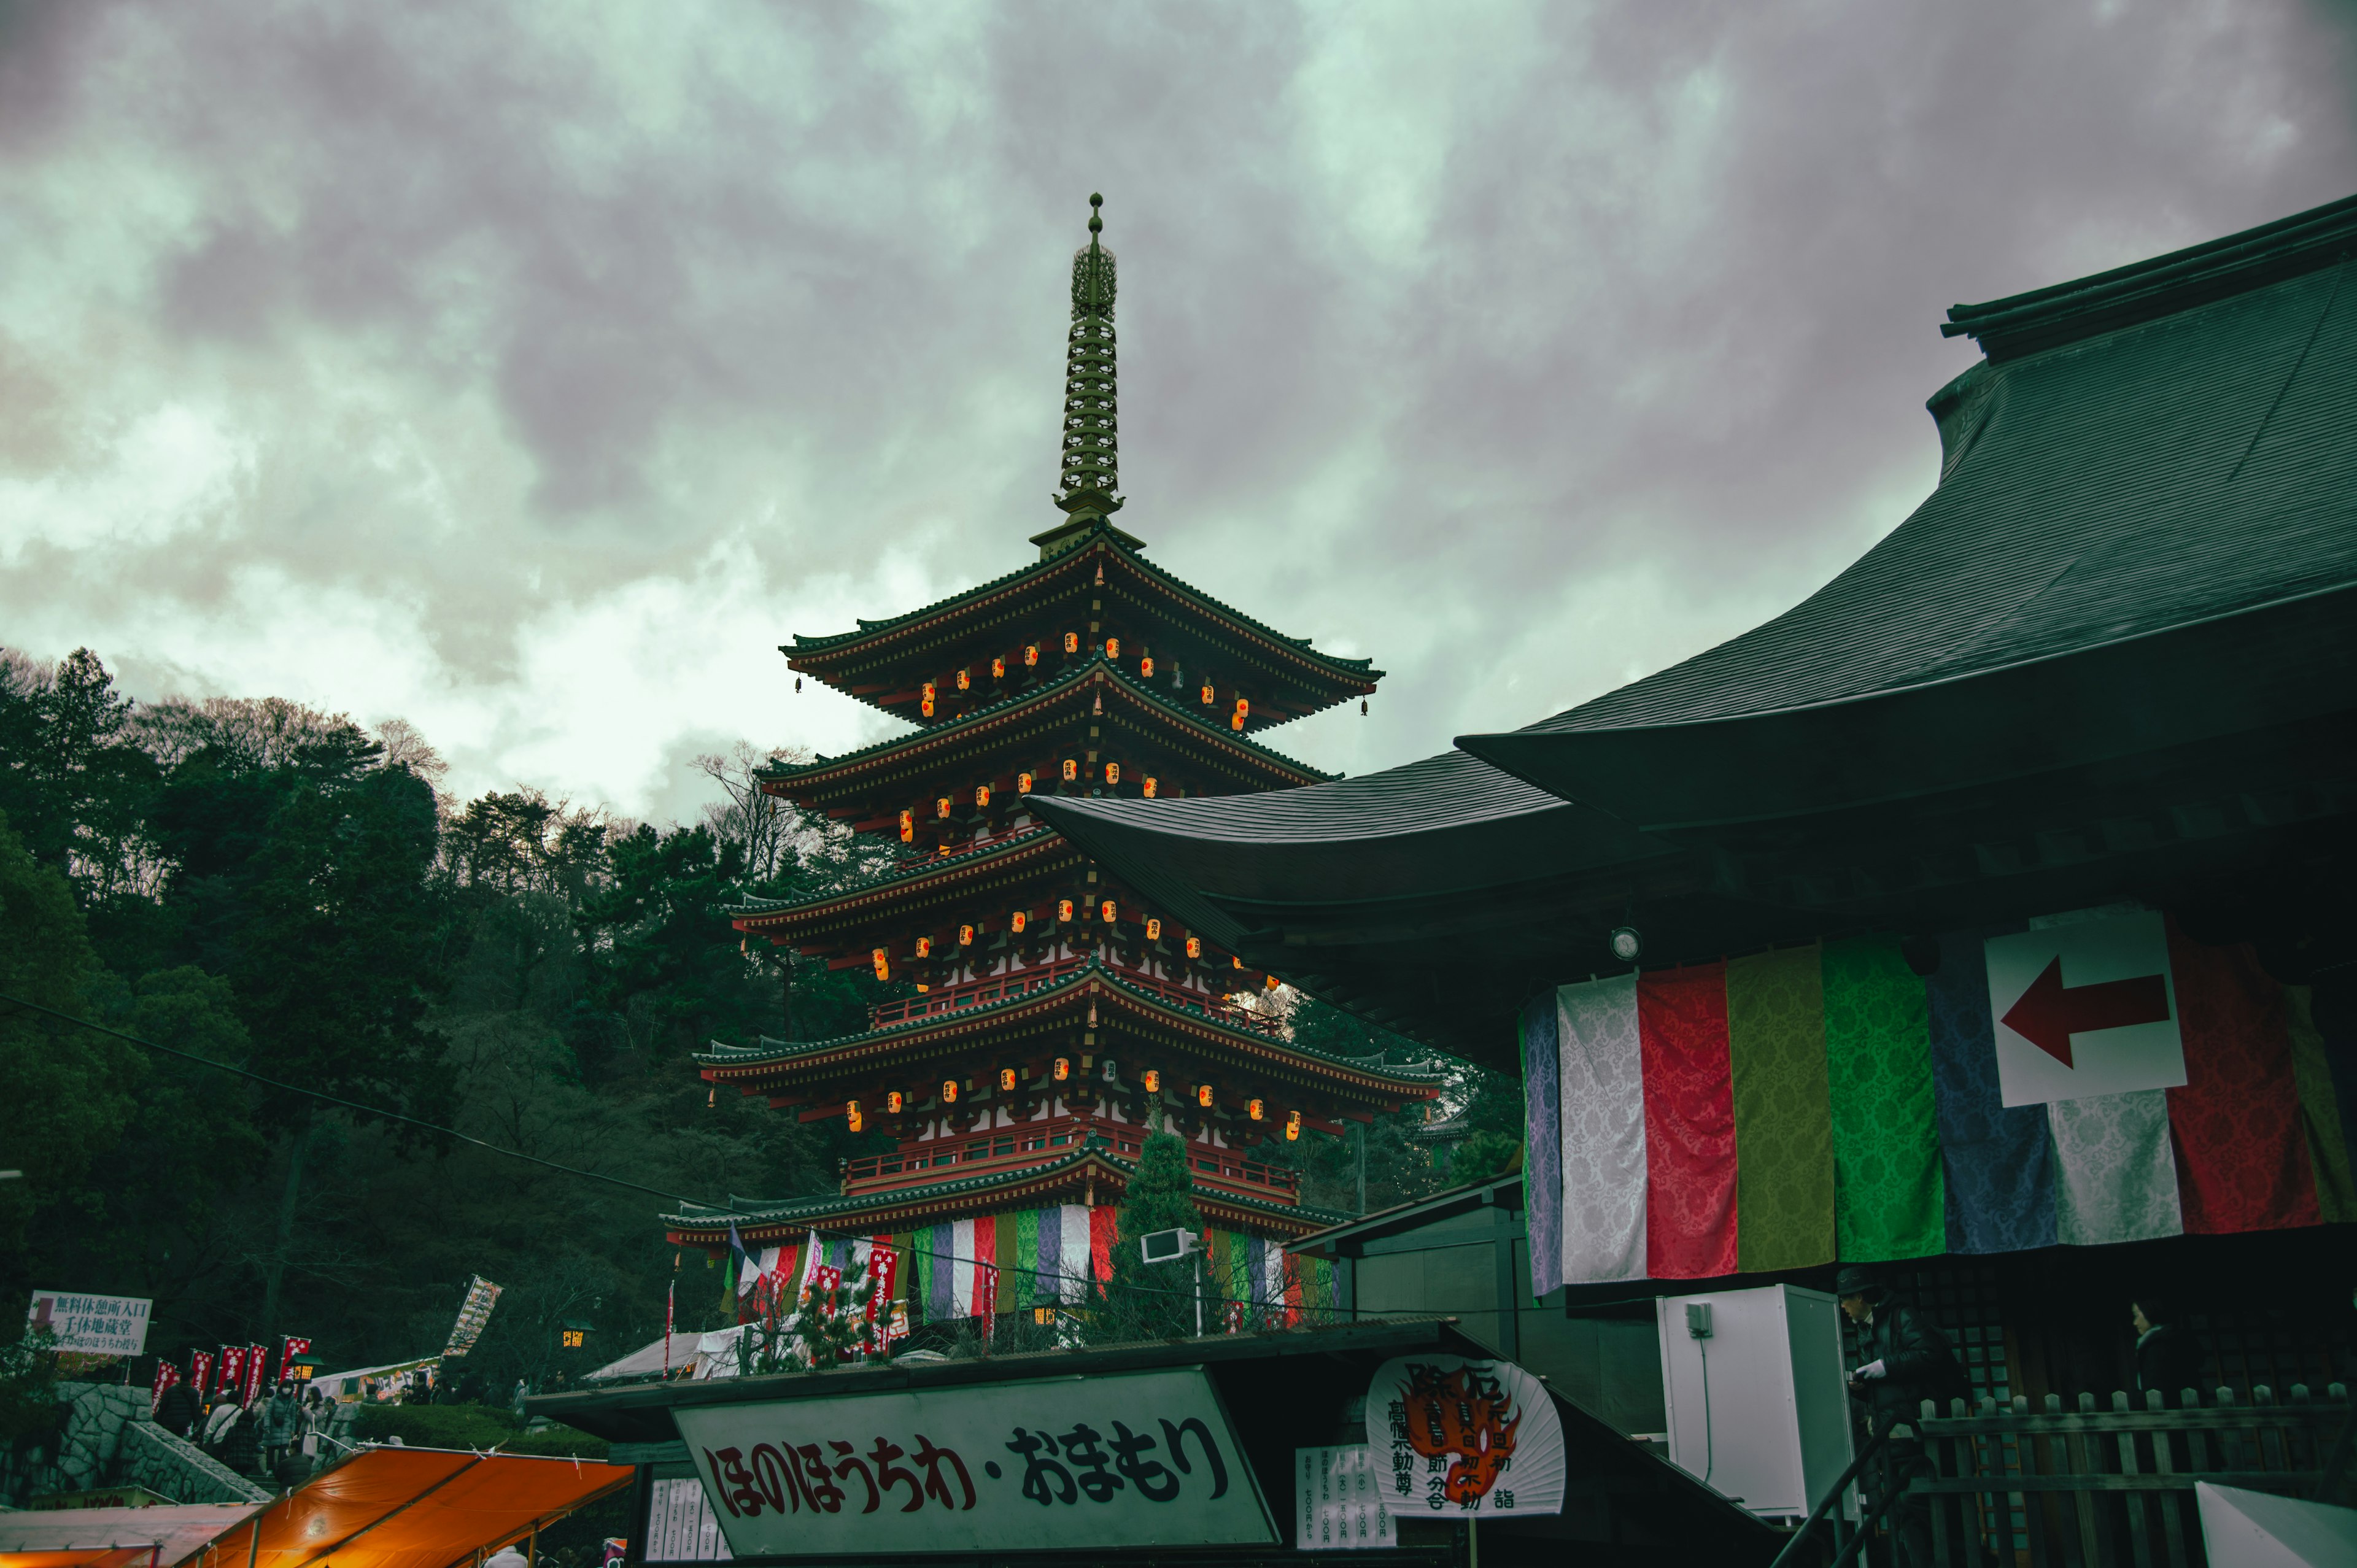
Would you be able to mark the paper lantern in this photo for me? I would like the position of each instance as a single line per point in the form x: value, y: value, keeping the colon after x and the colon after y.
x: 998, y: 669
x: 1072, y: 770
x: 1207, y: 695
x: 1292, y: 1126
x: 949, y: 1091
x: 1022, y: 783
x: 908, y: 827
x: 1113, y: 772
x: 1146, y: 666
x: 1203, y: 1095
x: 1150, y: 785
x: 1071, y: 642
x: 965, y: 680
x: 1244, y: 708
x: 1063, y: 909
x: 925, y: 947
x: 1153, y: 929
x: 1105, y: 911
x: 1017, y: 921
x: 1113, y: 648
x: 925, y: 703
x: 1153, y: 1081
x: 1194, y: 947
x: 894, y: 1101
x: 1030, y: 653
x: 1270, y: 982
x: 1256, y: 1108
x: 1006, y: 1080
x: 1236, y: 961
x: 851, y: 1114
x: 941, y: 807
x: 965, y: 936
x: 981, y: 795
x: 883, y: 962
x: 1063, y: 1069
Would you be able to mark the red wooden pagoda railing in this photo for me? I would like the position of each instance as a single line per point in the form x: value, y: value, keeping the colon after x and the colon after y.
x: 1040, y: 1143
x: 1004, y: 987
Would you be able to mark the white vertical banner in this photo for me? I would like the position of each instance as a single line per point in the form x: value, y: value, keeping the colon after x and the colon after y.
x: 1339, y: 1502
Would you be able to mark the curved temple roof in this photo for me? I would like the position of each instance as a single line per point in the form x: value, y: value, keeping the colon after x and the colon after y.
x: 2144, y: 541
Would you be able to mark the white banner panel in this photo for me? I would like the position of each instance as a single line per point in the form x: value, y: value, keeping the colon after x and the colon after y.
x: 1134, y: 1459
x: 2085, y: 1008
x: 91, y: 1325
x: 1338, y: 1501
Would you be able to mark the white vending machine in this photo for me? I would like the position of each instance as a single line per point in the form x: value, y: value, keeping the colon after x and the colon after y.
x: 1757, y: 1395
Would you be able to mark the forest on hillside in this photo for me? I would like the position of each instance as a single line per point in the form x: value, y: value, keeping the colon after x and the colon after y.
x: 259, y: 883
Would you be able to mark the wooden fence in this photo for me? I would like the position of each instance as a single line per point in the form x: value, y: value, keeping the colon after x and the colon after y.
x: 2113, y: 1489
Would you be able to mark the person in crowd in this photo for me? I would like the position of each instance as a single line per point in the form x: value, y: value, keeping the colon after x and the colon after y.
x: 179, y: 1410
x: 1906, y: 1360
x: 278, y: 1419
x: 2168, y: 1357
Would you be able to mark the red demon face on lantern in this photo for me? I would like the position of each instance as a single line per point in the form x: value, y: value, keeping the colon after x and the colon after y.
x: 1467, y: 1418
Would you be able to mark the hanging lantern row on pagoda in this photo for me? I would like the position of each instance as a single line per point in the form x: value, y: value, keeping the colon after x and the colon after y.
x: 1079, y: 1078
x: 935, y: 696
x: 1008, y: 789
x: 1083, y: 915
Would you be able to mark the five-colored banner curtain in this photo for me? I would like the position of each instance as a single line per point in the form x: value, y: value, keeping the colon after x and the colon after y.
x: 1791, y: 1108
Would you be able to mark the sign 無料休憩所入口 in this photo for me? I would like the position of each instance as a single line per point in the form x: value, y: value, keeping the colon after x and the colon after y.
x: 1134, y: 1459
x: 91, y: 1325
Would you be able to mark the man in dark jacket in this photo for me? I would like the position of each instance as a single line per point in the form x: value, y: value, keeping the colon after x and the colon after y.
x: 2169, y: 1359
x: 178, y: 1410
x: 1905, y: 1360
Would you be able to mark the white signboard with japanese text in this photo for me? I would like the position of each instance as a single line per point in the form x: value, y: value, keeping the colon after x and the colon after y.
x: 2083, y: 1008
x: 1454, y: 1436
x: 91, y: 1325
x: 1338, y: 1502
x: 1132, y: 1459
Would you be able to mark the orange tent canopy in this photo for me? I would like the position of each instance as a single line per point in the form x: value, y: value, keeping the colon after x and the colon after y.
x: 412, y: 1508
x: 116, y: 1538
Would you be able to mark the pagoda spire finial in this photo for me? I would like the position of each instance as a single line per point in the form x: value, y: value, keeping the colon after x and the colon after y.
x: 1091, y: 413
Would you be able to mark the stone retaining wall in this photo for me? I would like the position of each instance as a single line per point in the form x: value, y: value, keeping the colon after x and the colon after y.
x: 176, y: 1469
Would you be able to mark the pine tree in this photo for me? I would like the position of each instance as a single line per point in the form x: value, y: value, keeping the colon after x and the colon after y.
x: 1156, y: 1301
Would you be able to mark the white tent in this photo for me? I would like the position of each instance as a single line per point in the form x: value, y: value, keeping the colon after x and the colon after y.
x: 2258, y: 1529
x: 676, y: 1351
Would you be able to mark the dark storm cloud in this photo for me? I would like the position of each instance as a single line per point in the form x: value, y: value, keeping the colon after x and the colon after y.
x: 471, y: 361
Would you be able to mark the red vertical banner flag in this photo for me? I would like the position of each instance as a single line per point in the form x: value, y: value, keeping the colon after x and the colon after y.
x: 2241, y: 1154
x: 166, y: 1375
x: 201, y: 1370
x: 884, y: 1273
x: 288, y: 1349
x: 232, y: 1368
x: 256, y: 1356
x: 1689, y: 1122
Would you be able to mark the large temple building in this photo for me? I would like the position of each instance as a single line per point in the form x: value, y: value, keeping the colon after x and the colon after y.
x: 1059, y: 1013
x: 1984, y: 917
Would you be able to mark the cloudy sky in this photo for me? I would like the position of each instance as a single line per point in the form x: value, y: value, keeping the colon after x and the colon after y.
x: 531, y: 372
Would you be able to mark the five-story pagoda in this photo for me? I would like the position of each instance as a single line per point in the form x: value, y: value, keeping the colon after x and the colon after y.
x: 1058, y: 1018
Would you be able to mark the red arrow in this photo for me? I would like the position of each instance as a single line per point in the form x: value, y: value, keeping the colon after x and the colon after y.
x: 2047, y: 1015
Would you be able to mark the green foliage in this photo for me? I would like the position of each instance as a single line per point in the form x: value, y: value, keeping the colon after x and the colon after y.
x: 67, y: 1089
x: 1482, y: 1155
x: 1156, y: 1300
x: 29, y: 1407
x: 475, y: 1426
x: 832, y: 1325
x: 265, y: 883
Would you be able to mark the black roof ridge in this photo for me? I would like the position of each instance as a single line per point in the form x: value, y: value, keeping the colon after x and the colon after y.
x: 1072, y: 677
x: 2158, y: 286
x: 801, y: 643
x: 746, y: 1056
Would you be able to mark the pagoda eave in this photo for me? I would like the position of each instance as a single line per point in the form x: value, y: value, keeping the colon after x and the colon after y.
x: 839, y: 659
x: 1021, y: 858
x: 1092, y: 1174
x: 838, y: 783
x: 949, y: 1034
